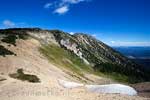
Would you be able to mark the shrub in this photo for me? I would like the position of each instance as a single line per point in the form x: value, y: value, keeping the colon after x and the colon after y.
x: 3, y: 79
x: 25, y: 77
x: 11, y: 39
x: 4, y: 51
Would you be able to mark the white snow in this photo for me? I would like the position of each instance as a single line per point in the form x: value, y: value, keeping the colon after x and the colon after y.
x: 112, y: 88
x: 109, y: 88
x: 67, y: 84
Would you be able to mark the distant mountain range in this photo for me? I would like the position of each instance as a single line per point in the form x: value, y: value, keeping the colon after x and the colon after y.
x: 140, y: 55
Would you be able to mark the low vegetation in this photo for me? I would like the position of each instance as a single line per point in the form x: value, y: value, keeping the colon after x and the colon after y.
x: 118, y: 73
x: 3, y: 79
x: 65, y: 58
x: 25, y: 77
x: 11, y: 38
x: 69, y: 60
x: 4, y: 51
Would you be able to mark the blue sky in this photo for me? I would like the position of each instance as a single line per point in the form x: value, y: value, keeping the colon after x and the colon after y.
x: 115, y: 22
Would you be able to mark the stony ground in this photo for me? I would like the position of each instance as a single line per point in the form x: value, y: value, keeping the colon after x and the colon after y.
x: 143, y: 89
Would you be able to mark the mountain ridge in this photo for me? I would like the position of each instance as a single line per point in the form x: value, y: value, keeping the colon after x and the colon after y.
x: 93, y: 52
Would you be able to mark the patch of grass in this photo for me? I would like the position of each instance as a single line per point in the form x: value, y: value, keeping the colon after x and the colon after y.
x: 25, y: 77
x: 113, y: 76
x: 4, y: 51
x: 119, y: 73
x: 64, y: 58
x: 23, y: 36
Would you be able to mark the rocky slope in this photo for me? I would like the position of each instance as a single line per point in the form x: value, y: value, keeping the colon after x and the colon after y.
x: 32, y: 61
x: 94, y: 53
x: 100, y: 56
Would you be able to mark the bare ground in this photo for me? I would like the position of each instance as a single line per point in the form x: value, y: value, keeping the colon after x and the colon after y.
x: 143, y: 89
x: 32, y: 62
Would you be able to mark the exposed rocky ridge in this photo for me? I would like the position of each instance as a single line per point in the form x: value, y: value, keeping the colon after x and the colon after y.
x: 98, y: 55
x: 92, y: 51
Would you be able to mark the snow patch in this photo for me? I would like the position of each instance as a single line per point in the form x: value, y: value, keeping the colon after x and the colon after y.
x: 110, y: 88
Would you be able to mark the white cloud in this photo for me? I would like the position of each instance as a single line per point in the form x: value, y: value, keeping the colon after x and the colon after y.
x: 73, y: 1
x: 71, y: 33
x: 62, y: 6
x: 8, y: 24
x: 62, y: 10
x: 47, y: 5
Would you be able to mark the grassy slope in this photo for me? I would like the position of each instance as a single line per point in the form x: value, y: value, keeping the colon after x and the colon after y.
x: 65, y: 59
